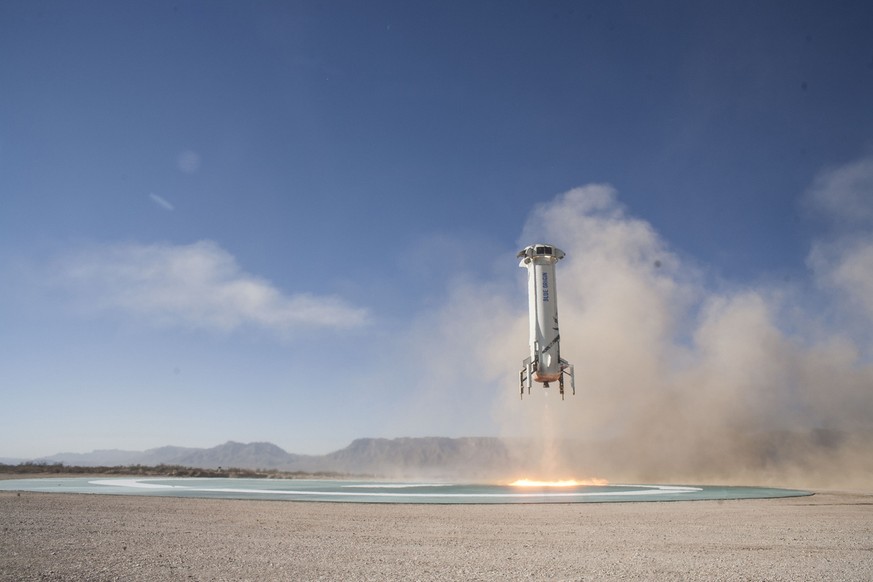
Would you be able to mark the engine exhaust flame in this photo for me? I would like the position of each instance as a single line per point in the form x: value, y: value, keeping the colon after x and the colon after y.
x: 559, y: 483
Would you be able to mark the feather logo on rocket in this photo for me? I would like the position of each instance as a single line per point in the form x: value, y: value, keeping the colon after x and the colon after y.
x: 545, y: 364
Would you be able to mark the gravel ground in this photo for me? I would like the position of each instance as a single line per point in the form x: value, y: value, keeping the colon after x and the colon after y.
x: 99, y: 537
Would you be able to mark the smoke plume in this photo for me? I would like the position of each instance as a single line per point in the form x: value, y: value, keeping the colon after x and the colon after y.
x: 677, y: 380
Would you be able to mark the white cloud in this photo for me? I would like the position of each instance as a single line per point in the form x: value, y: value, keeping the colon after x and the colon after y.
x: 161, y: 201
x: 199, y: 286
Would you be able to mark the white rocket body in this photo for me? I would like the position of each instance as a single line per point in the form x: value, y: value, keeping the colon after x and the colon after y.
x: 545, y: 364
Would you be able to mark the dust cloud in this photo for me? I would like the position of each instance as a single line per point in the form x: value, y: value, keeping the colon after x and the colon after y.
x: 680, y: 379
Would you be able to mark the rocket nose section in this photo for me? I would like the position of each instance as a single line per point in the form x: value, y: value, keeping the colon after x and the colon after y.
x: 542, y: 250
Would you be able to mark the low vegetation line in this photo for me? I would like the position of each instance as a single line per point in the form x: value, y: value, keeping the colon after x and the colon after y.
x: 164, y: 471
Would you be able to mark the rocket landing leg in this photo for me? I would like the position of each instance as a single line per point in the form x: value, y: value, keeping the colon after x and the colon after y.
x: 525, y: 377
x: 567, y: 368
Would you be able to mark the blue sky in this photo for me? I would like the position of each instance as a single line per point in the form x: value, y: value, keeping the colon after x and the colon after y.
x: 297, y: 222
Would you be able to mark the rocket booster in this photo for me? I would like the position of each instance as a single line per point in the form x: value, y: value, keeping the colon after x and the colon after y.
x: 545, y: 364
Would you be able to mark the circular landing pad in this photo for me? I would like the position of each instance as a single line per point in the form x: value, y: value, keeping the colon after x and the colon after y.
x: 389, y: 492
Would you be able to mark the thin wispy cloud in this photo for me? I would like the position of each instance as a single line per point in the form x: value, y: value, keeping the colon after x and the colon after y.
x: 188, y: 161
x: 161, y: 201
x: 199, y: 285
x: 844, y: 194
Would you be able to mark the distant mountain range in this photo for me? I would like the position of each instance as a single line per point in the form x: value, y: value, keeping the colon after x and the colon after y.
x: 817, y: 456
x: 424, y: 456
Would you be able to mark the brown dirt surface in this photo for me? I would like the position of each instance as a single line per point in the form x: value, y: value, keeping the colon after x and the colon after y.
x: 105, y: 537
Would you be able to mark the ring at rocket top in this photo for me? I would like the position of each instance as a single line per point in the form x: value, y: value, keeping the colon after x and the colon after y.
x: 545, y: 364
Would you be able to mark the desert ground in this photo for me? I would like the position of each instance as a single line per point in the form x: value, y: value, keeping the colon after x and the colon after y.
x: 828, y: 536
